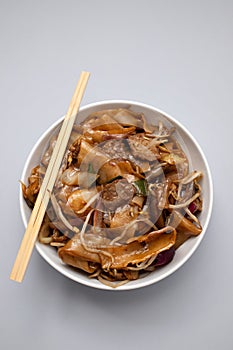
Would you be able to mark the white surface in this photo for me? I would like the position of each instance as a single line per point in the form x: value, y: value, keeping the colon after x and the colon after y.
x: 197, y: 161
x: 175, y: 55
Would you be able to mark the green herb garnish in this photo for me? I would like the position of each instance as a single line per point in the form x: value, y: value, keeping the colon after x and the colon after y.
x: 90, y: 168
x: 140, y: 186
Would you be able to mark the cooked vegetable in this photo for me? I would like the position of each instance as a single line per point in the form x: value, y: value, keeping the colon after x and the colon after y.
x: 140, y: 186
x: 124, y: 199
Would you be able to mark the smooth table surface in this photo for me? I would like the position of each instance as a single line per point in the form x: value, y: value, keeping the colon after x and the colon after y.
x: 174, y: 55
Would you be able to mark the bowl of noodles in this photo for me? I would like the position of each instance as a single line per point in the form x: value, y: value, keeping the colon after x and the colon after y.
x: 132, y: 199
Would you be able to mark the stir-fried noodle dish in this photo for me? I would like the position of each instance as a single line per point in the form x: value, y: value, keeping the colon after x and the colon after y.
x: 126, y: 197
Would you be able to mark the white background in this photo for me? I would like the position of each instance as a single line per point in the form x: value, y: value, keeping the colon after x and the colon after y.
x: 175, y: 55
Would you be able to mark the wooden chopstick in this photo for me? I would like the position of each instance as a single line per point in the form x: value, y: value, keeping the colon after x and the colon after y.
x: 36, y: 218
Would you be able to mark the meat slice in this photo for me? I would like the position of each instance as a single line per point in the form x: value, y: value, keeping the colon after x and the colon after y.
x: 119, y: 149
x: 115, y: 149
x: 142, y: 147
x: 117, y: 194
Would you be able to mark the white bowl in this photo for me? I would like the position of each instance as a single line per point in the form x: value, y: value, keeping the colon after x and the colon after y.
x: 198, y: 161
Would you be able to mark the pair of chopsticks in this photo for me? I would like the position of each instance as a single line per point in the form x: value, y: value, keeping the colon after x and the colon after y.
x: 36, y: 218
